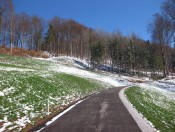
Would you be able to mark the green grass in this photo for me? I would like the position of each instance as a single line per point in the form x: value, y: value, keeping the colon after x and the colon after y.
x: 26, y: 92
x: 156, y: 106
x: 31, y: 89
x: 11, y: 65
x: 23, y: 62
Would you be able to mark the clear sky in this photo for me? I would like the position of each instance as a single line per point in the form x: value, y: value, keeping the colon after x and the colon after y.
x: 126, y: 15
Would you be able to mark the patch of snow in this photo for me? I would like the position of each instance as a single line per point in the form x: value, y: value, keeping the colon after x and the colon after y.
x: 171, y: 81
x: 2, y: 129
x: 66, y: 60
x: 86, y: 74
x: 142, y: 122
x: 167, y: 94
x: 134, y: 79
x: 152, y: 86
x: 1, y: 93
x: 166, y: 84
x: 23, y: 121
x: 14, y: 69
x: 75, y: 66
x: 47, y: 53
x: 9, y: 90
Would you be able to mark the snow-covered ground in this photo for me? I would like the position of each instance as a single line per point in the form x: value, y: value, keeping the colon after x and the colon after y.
x: 80, y: 68
x: 74, y: 66
x: 164, y: 87
x: 14, y: 69
x: 55, y: 64
x: 144, y: 124
x: 155, y: 102
x: 86, y: 74
x: 163, y: 91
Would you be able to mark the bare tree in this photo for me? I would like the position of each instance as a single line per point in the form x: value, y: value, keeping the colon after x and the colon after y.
x: 11, y: 9
x: 56, y: 22
x: 2, y: 10
x: 24, y: 29
x: 7, y: 20
x: 37, y: 27
x: 168, y: 9
x: 160, y: 32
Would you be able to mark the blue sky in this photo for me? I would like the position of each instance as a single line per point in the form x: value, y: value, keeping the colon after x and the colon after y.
x: 126, y: 15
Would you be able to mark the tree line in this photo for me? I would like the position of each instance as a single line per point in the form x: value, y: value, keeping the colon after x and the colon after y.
x: 125, y: 54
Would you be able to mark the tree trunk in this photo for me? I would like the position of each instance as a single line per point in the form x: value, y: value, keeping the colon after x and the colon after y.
x: 11, y: 38
x: 22, y: 44
x: 164, y: 61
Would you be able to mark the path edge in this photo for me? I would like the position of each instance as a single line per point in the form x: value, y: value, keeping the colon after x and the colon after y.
x: 143, y: 124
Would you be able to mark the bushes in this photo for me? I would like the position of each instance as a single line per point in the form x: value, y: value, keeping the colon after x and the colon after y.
x: 27, y: 53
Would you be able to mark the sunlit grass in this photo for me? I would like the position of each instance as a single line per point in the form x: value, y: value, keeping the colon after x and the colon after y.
x: 157, y: 107
x: 23, y: 62
x: 26, y: 92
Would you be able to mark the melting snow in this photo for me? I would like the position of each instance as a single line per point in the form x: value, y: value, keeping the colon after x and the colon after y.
x: 168, y: 94
x: 1, y: 93
x: 4, y: 126
x: 86, y: 74
x: 8, y: 90
x: 14, y: 69
x: 23, y: 121
x: 77, y: 67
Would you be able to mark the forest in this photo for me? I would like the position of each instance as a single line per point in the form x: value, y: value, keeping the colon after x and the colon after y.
x: 125, y: 54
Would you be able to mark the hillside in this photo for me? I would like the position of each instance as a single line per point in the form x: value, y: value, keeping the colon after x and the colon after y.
x: 27, y: 84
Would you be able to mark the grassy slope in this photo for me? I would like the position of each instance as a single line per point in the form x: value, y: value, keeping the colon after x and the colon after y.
x: 26, y: 93
x: 157, y: 107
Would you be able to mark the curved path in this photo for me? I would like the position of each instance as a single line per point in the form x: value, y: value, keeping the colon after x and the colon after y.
x: 103, y: 112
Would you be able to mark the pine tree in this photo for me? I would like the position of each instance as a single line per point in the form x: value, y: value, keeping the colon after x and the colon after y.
x: 97, y: 53
x: 115, y: 53
x: 49, y: 39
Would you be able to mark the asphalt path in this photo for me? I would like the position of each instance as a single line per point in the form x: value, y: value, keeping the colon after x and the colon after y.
x: 102, y: 112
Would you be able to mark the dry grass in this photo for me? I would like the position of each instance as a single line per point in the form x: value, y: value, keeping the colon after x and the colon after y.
x: 25, y: 52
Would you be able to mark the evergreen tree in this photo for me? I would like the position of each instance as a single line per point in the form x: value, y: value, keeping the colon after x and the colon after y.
x: 97, y: 53
x: 49, y: 39
x: 115, y: 53
x: 129, y: 56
